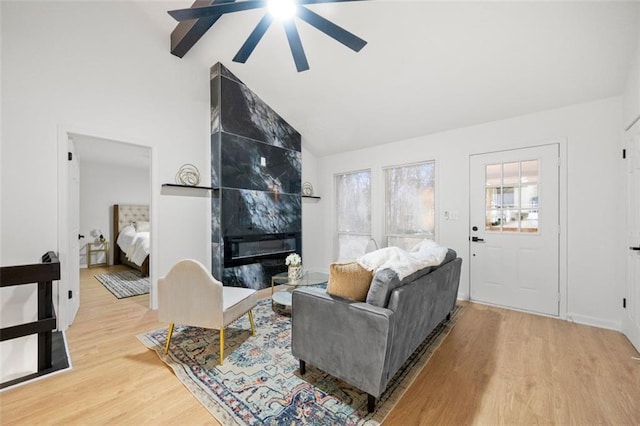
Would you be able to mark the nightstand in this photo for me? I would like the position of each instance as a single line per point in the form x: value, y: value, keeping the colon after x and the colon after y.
x: 94, y: 249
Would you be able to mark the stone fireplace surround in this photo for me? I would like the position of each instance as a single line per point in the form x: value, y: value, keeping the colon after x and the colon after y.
x: 256, y: 165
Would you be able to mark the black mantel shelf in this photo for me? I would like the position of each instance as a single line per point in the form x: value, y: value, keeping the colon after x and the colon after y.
x: 175, y: 185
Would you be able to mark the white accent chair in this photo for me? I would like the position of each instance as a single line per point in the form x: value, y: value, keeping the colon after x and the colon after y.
x: 190, y: 295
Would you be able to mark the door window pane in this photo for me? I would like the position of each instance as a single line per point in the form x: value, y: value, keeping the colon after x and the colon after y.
x: 510, y: 220
x: 494, y: 220
x: 511, y: 173
x: 529, y: 196
x: 529, y: 171
x: 494, y: 175
x: 494, y: 198
x: 511, y: 197
x: 529, y: 221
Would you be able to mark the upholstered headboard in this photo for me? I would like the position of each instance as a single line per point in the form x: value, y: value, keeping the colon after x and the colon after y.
x: 125, y: 214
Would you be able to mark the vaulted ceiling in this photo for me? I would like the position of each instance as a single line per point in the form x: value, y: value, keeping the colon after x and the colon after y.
x: 428, y: 66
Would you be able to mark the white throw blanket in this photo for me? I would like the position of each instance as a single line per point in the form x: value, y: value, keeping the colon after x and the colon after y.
x: 425, y: 253
x: 135, y: 245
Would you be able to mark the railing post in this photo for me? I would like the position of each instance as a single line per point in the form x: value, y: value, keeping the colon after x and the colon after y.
x: 43, y: 274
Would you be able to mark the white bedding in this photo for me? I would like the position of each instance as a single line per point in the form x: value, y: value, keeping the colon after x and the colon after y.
x: 135, y: 245
x: 425, y: 253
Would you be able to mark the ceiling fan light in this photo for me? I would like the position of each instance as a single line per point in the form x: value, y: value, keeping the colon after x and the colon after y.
x: 282, y: 9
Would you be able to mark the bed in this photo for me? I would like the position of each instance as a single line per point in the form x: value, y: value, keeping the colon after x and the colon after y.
x: 131, y: 236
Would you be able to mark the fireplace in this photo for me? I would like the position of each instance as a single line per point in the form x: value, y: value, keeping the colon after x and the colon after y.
x: 256, y: 168
x: 248, y: 249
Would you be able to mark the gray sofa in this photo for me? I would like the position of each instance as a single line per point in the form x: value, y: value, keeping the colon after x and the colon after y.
x: 366, y: 343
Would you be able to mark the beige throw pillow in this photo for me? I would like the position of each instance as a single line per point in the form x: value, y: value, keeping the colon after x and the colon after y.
x: 349, y: 280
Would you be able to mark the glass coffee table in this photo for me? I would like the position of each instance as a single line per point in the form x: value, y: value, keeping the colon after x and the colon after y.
x: 284, y: 297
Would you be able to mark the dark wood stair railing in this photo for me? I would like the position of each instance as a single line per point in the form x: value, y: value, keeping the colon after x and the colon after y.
x: 43, y: 274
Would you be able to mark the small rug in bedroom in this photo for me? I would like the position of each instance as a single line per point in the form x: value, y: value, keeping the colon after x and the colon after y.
x: 125, y: 284
x: 260, y: 383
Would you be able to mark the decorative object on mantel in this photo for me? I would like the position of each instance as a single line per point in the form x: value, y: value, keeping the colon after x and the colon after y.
x: 98, y: 235
x: 282, y: 10
x: 188, y: 174
x: 307, y: 189
x: 294, y: 262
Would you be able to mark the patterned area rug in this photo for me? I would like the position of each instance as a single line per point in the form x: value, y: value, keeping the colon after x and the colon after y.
x: 259, y: 382
x: 125, y: 284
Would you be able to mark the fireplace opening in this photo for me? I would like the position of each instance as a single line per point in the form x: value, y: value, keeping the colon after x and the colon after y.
x: 244, y: 250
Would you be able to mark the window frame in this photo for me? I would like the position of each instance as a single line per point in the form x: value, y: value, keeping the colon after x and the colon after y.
x: 385, y: 232
x: 337, y: 232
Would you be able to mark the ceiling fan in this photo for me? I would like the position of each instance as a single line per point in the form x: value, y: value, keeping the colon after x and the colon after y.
x: 283, y: 10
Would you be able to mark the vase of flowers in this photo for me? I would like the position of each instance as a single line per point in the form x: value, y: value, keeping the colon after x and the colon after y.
x: 294, y: 262
x: 98, y: 235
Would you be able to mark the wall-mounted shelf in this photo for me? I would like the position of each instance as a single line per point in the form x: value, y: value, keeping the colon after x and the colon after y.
x: 310, y: 196
x: 175, y: 185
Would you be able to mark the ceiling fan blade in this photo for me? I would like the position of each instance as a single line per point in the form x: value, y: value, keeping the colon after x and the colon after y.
x: 215, y: 9
x: 323, y: 1
x: 334, y: 31
x: 296, y: 45
x: 253, y: 39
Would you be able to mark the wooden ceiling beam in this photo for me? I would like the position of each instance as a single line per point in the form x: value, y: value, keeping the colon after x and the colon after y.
x: 187, y: 33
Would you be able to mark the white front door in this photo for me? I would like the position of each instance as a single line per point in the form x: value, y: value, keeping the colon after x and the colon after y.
x: 73, y: 253
x: 631, y: 322
x: 514, y: 228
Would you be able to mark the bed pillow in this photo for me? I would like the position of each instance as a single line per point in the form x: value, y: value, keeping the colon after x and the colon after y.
x: 349, y: 281
x: 142, y: 226
x: 126, y: 237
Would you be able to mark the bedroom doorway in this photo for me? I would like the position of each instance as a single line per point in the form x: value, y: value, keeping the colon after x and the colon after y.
x: 108, y: 172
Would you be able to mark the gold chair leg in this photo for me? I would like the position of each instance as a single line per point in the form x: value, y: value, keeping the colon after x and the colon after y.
x: 253, y: 327
x: 221, y: 345
x: 166, y: 347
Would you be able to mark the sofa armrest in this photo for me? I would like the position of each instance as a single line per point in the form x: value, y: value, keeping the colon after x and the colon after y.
x: 349, y: 340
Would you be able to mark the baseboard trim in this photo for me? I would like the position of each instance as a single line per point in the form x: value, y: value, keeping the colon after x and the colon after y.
x: 594, y: 322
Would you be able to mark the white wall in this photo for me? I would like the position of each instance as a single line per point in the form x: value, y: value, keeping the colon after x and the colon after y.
x: 631, y: 96
x: 103, y: 68
x: 595, y: 205
x: 312, y: 222
x: 102, y: 186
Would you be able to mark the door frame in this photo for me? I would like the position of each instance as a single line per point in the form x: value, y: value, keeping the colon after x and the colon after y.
x: 563, y: 281
x: 64, y: 133
x: 629, y: 328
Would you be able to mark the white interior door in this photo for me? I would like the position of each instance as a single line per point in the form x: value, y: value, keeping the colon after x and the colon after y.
x: 73, y: 257
x: 631, y: 324
x: 514, y: 228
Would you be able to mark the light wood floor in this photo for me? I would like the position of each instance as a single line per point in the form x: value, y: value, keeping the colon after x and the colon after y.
x: 496, y: 367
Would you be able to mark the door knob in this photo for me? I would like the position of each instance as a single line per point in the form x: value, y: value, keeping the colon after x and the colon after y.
x: 635, y: 248
x: 80, y: 236
x: 477, y: 240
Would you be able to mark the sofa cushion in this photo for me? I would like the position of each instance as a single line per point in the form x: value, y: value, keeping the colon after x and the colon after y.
x: 384, y: 281
x: 349, y: 281
x: 451, y: 254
